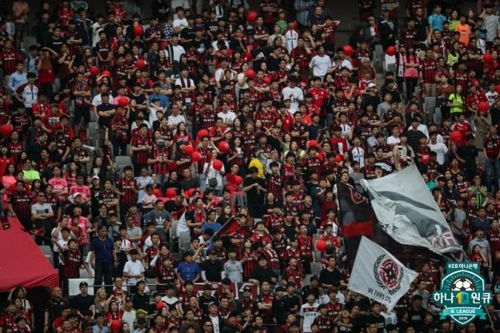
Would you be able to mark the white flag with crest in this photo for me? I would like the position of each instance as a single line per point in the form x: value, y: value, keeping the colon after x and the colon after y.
x: 377, y: 274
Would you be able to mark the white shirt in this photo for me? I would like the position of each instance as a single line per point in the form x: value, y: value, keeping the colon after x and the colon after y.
x: 309, y: 313
x: 182, y: 225
x: 188, y: 83
x: 175, y: 120
x: 227, y: 117
x: 422, y: 128
x: 214, y: 44
x: 295, y: 94
x: 320, y: 65
x: 440, y: 149
x: 133, y: 268
x: 212, y: 173
x: 180, y: 23
x: 97, y: 100
x: 358, y: 155
x: 178, y: 50
x: 291, y: 37
x: 392, y: 140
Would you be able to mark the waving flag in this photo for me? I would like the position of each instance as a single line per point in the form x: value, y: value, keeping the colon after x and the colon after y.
x: 379, y: 275
x: 356, y: 218
x: 408, y: 213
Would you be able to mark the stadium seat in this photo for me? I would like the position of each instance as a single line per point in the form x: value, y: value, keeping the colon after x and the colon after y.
x: 121, y: 162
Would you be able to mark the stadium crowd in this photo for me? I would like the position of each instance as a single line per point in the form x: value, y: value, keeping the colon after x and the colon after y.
x: 243, y: 119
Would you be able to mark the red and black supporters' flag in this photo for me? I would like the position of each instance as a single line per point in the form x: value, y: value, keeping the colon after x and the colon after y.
x: 234, y: 227
x: 356, y: 218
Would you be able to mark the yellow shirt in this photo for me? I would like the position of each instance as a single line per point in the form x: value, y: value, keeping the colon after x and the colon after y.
x: 255, y: 162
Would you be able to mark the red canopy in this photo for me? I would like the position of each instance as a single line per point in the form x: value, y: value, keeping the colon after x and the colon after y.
x: 22, y: 263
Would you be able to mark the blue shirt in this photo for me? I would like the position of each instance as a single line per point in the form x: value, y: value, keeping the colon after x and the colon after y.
x: 188, y: 271
x: 436, y: 22
x: 16, y: 79
x: 214, y: 226
x: 103, y: 250
x: 164, y: 101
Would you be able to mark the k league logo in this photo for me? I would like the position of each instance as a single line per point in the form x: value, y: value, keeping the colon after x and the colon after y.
x: 462, y: 293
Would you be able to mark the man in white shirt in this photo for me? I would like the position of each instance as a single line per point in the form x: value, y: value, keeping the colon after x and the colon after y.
x: 180, y: 21
x: 97, y: 100
x: 320, y: 63
x: 175, y: 118
x: 174, y: 50
x: 133, y: 270
x: 293, y: 93
x: 438, y: 147
x: 308, y: 312
x: 227, y: 115
x: 394, y: 140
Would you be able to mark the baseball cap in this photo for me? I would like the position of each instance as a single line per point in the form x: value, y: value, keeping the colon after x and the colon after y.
x: 371, y: 85
x: 83, y: 283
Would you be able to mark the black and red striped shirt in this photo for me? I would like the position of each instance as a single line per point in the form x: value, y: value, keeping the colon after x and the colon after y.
x: 21, y: 204
x: 408, y: 35
x: 429, y: 70
x: 139, y: 141
x: 269, y: 16
x: 72, y: 262
x: 325, y: 323
x: 275, y: 184
x: 129, y: 186
x: 9, y: 59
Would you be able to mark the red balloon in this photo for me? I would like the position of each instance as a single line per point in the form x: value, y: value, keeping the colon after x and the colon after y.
x: 483, y: 106
x: 195, y: 156
x: 122, y: 101
x: 498, y: 89
x: 157, y: 192
x: 188, y: 149
x: 312, y: 143
x: 321, y: 245
x: 106, y: 73
x: 5, y: 130
x: 425, y: 158
x: 189, y: 192
x: 487, y: 57
x: 94, y: 70
x: 250, y: 73
x: 115, y: 325
x: 266, y: 80
x: 348, y: 50
x: 140, y: 64
x: 217, y: 165
x: 138, y: 30
x: 339, y: 158
x: 171, y: 193
x: 252, y: 16
x: 456, y: 136
x: 160, y: 305
x: 202, y: 133
x: 223, y: 146
x: 391, y: 50
x: 238, y: 180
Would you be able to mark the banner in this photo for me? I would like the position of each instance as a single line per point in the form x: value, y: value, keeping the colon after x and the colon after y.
x: 408, y: 213
x: 378, y: 275
x: 356, y: 218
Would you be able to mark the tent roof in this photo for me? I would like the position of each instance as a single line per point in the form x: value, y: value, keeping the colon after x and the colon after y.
x: 22, y: 263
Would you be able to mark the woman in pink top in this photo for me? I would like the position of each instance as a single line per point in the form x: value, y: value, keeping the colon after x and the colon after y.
x: 7, y: 181
x: 84, y: 224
